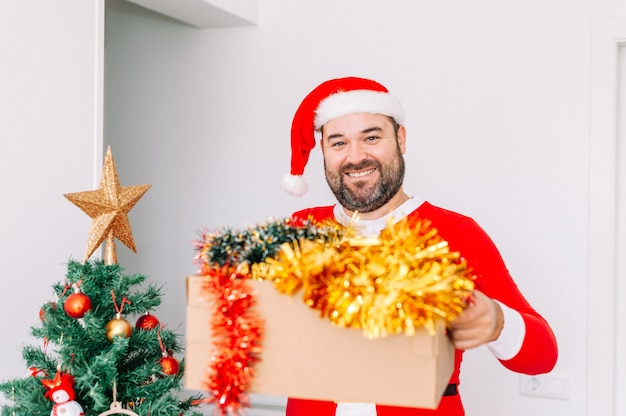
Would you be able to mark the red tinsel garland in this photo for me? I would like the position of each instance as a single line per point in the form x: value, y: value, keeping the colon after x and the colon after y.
x: 403, y: 279
x: 236, y: 329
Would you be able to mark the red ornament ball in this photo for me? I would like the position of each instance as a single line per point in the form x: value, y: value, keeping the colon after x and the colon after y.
x: 147, y: 322
x: 169, y: 365
x: 76, y: 305
x: 118, y: 327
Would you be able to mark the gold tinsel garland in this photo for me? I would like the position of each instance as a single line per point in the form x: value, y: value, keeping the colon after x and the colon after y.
x: 404, y: 279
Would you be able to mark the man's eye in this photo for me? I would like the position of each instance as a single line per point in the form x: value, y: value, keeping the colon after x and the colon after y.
x: 337, y: 144
x: 371, y: 138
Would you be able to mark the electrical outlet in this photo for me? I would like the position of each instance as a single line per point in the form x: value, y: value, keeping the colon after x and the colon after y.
x: 551, y: 386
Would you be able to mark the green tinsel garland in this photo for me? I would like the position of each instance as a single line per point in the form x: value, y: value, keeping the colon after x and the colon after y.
x: 255, y: 244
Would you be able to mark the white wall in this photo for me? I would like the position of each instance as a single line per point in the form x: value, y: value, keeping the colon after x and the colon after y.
x: 50, y: 139
x: 497, y: 97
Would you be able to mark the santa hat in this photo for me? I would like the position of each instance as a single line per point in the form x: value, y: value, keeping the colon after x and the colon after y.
x: 61, y: 381
x: 330, y: 100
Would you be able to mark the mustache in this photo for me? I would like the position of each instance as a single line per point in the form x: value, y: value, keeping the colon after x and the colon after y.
x: 362, y: 165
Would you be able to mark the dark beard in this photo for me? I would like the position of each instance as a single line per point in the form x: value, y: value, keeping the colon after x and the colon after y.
x: 363, y: 199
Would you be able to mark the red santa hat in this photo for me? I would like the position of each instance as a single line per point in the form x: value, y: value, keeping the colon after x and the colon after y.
x: 330, y: 100
x: 61, y: 381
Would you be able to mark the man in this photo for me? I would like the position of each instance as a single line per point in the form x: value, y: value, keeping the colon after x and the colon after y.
x: 359, y: 125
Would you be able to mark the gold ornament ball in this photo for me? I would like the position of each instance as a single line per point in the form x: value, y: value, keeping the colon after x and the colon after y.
x: 118, y: 327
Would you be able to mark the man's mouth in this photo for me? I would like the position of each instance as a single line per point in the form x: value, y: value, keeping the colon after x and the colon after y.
x: 360, y: 174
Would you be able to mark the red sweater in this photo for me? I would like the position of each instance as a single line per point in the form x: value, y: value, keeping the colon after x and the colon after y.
x: 538, y: 353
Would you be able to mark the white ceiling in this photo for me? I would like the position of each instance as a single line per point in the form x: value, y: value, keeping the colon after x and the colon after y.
x: 206, y: 13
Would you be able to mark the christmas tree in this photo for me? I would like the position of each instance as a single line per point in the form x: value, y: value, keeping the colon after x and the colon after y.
x: 92, y: 361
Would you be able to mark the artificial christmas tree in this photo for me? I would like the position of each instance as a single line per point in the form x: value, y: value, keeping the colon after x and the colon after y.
x: 91, y: 360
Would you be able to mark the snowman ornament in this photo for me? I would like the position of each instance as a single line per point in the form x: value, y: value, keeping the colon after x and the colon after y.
x: 61, y: 392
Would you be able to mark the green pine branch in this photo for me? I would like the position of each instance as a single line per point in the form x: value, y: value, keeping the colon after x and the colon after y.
x: 255, y: 244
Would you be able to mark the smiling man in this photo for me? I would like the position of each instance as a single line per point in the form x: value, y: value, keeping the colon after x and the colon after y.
x: 364, y: 164
x: 360, y: 128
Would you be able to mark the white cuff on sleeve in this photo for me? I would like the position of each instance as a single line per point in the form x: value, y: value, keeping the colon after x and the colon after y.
x: 355, y: 409
x: 510, y: 341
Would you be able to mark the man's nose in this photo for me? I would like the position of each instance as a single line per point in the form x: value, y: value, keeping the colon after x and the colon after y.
x: 356, y: 153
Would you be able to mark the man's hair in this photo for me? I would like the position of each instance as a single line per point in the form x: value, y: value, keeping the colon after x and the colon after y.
x: 396, y: 125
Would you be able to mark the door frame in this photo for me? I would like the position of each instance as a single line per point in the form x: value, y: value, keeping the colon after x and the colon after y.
x: 603, y: 334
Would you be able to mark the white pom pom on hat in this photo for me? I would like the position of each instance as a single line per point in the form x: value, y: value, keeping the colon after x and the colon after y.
x: 330, y: 100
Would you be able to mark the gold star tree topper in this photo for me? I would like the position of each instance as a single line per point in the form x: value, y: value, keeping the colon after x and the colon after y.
x: 108, y: 208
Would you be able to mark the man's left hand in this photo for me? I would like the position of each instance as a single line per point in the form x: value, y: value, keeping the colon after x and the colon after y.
x: 480, y: 322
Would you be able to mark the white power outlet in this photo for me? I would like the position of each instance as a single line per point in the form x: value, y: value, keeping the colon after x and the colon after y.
x: 551, y: 386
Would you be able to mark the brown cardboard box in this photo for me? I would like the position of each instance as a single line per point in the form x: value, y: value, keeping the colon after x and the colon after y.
x: 305, y: 356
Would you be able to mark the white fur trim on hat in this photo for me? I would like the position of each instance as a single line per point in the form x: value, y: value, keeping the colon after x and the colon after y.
x: 358, y: 101
x: 294, y: 184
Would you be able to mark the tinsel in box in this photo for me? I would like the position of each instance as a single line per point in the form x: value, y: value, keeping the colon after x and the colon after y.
x: 388, y: 300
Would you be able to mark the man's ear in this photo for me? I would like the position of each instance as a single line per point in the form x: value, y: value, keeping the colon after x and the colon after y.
x: 402, y: 138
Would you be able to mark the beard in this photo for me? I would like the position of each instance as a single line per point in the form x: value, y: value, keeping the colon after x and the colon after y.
x: 364, y: 198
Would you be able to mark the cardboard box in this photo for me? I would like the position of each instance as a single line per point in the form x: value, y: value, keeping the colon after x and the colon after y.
x: 305, y: 356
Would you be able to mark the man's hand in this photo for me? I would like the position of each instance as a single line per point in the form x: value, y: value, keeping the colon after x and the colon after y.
x: 480, y: 322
